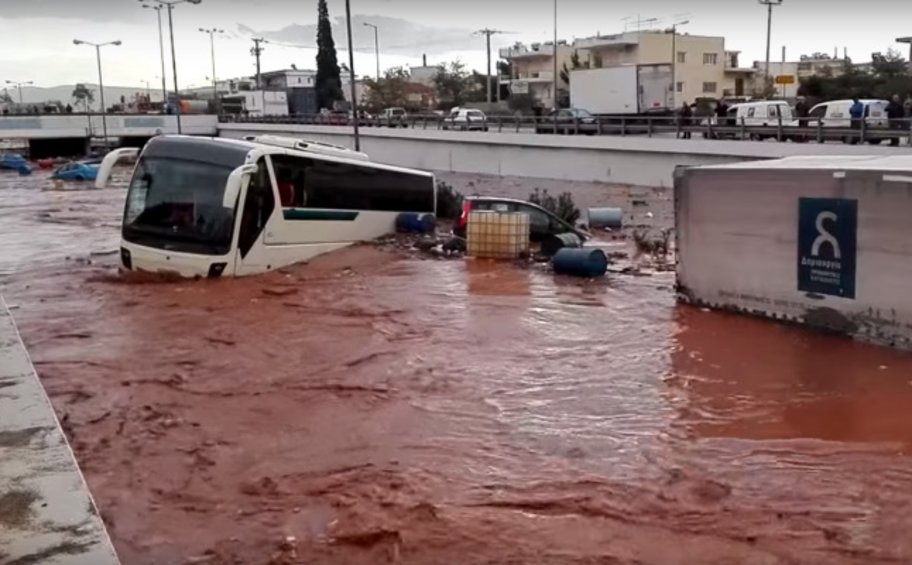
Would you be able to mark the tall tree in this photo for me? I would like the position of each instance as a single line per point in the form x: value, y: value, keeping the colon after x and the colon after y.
x: 328, y: 81
x: 84, y: 94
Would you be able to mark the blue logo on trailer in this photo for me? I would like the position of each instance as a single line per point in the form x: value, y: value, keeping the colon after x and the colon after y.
x: 827, y: 246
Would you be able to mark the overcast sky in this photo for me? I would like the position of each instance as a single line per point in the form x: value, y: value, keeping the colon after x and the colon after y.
x: 36, y: 35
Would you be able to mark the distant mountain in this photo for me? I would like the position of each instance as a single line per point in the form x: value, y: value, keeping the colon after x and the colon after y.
x: 64, y: 94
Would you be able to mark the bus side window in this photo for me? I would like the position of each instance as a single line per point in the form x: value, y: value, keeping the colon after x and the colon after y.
x: 291, y: 174
x: 258, y: 206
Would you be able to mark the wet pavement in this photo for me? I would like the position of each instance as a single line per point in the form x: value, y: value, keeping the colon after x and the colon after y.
x: 377, y: 407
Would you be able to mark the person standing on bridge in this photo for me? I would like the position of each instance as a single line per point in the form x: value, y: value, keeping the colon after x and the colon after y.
x: 684, y: 115
x: 857, y: 113
x: 895, y: 115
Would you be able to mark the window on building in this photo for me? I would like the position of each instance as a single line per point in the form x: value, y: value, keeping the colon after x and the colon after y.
x: 682, y: 57
x: 679, y: 87
x: 710, y: 58
x: 709, y: 88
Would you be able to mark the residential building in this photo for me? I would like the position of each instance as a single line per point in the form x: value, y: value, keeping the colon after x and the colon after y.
x: 790, y: 73
x: 298, y: 86
x: 424, y: 74
x: 533, y: 69
x: 702, y: 66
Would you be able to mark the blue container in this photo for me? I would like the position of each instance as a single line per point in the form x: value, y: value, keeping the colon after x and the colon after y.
x: 413, y: 222
x: 605, y: 218
x: 24, y: 169
x: 580, y: 262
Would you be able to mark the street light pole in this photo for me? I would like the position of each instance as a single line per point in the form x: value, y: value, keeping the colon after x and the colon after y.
x: 161, y: 51
x: 169, y: 4
x: 769, y: 29
x: 104, y: 110
x: 215, y: 97
x: 19, y: 86
x: 351, y: 69
x: 376, y: 45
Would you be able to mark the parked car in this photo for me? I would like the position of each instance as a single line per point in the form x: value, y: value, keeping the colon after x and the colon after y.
x: 335, y: 118
x: 542, y: 223
x: 466, y: 119
x: 394, y: 118
x: 569, y: 121
x: 76, y: 171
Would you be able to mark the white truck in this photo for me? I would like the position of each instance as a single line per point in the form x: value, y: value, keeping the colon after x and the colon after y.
x: 624, y: 90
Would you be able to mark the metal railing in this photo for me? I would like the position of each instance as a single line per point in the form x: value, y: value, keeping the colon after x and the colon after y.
x: 871, y: 130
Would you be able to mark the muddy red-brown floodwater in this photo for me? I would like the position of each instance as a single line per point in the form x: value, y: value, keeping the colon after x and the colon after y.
x: 380, y: 407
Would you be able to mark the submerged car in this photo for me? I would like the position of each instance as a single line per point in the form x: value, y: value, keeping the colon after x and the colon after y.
x: 12, y: 161
x: 542, y: 223
x: 76, y: 171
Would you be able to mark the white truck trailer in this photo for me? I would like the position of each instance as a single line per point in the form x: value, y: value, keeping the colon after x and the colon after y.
x: 822, y: 241
x: 625, y: 90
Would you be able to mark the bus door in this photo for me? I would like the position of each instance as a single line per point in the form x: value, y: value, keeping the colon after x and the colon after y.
x: 257, y: 208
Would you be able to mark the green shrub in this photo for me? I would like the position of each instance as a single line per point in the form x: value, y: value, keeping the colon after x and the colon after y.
x: 563, y: 206
x: 449, y: 201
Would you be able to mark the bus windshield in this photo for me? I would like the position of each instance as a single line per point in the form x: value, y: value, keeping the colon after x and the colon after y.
x: 176, y: 204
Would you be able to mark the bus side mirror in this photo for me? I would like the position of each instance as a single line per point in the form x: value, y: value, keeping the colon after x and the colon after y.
x: 233, y: 187
x: 111, y: 159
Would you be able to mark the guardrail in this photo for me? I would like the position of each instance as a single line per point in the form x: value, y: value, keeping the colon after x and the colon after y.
x: 872, y: 130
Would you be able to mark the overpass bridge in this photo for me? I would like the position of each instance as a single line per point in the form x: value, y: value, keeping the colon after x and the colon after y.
x: 69, y: 134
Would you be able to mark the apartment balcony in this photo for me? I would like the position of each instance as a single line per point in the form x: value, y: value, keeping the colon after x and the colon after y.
x: 621, y: 40
x: 527, y: 51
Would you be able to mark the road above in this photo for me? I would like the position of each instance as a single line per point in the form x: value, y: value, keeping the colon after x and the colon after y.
x: 629, y: 160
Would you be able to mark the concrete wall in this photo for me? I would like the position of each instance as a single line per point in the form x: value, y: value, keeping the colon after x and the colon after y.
x: 57, y: 521
x: 74, y: 125
x: 625, y: 160
x: 817, y: 247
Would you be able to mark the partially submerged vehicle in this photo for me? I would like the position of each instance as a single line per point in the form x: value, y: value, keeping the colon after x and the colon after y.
x: 77, y: 170
x: 210, y: 207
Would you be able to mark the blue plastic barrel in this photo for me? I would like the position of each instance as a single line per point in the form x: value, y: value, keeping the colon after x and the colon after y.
x: 413, y: 222
x: 605, y: 218
x: 580, y: 262
x: 24, y: 169
x: 551, y: 244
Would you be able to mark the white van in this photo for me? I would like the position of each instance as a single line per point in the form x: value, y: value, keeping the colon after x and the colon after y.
x: 761, y: 113
x: 835, y: 114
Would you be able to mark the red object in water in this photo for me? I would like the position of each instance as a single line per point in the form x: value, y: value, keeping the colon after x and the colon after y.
x: 464, y: 217
x: 45, y: 163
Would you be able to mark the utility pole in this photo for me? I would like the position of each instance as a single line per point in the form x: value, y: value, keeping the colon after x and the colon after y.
x: 769, y: 29
x: 351, y: 69
x: 488, y: 33
x: 19, y: 86
x: 256, y: 51
x: 674, y: 63
x: 555, y: 78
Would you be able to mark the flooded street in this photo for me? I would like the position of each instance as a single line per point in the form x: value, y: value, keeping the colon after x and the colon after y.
x: 375, y: 407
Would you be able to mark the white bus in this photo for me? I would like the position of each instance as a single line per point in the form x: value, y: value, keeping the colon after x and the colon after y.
x: 210, y: 207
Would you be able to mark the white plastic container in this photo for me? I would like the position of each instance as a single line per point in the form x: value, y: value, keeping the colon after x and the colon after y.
x: 497, y: 235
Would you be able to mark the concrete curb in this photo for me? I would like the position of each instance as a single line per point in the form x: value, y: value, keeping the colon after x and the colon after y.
x: 47, y: 514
